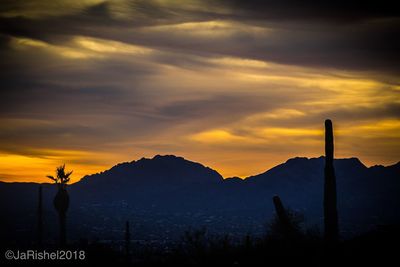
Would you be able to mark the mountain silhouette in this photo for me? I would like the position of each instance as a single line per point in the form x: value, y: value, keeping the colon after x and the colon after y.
x: 166, y: 195
x: 166, y: 170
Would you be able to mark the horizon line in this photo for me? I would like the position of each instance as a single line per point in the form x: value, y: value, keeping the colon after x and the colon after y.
x: 224, y: 178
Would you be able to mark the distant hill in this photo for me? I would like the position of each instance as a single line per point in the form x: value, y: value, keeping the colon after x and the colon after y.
x: 166, y: 195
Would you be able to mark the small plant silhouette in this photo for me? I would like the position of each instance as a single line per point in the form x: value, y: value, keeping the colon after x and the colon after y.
x: 61, y: 200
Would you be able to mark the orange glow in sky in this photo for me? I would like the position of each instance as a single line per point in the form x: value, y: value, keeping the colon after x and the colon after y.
x: 237, y: 96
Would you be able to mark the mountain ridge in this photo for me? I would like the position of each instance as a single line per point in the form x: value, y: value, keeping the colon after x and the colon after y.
x: 293, y: 159
x: 195, y: 195
x: 180, y: 158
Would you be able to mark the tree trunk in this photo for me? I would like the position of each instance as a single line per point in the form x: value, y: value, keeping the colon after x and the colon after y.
x: 62, y: 216
x: 61, y: 203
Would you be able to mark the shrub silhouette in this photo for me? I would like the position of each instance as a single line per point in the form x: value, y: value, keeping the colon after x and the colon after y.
x: 61, y: 200
x: 330, y: 207
x: 199, y: 247
x: 196, y: 242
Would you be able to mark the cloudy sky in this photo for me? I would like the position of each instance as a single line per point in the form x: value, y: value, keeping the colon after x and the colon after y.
x: 239, y: 86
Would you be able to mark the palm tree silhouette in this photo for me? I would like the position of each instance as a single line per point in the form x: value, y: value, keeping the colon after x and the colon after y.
x: 61, y: 200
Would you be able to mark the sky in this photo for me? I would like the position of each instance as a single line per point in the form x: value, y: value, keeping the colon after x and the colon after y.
x: 239, y: 86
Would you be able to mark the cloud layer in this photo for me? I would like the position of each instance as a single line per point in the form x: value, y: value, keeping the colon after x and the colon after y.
x: 238, y: 85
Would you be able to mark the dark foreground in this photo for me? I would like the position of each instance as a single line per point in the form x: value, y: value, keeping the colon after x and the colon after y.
x: 376, y: 248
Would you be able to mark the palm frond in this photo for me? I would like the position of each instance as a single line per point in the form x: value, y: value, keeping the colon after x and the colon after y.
x: 68, y: 174
x: 52, y: 178
x: 62, y: 177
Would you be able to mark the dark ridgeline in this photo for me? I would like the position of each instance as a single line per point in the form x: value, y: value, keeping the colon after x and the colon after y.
x: 61, y: 200
x: 331, y: 233
x: 40, y: 218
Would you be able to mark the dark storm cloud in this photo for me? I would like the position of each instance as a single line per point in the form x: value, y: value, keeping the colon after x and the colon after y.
x: 70, y: 88
x: 216, y: 110
x: 355, y: 35
x: 342, y: 114
x: 343, y: 35
x: 336, y: 11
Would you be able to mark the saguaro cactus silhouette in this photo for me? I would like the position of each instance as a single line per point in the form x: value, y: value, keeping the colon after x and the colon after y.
x: 40, y: 218
x: 281, y: 213
x: 61, y: 200
x: 330, y: 206
x: 288, y: 221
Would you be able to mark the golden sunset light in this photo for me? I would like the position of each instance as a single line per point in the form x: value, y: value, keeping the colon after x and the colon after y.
x: 214, y: 85
x: 199, y: 132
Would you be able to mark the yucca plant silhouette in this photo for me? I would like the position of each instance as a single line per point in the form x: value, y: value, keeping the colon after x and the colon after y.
x: 61, y: 200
